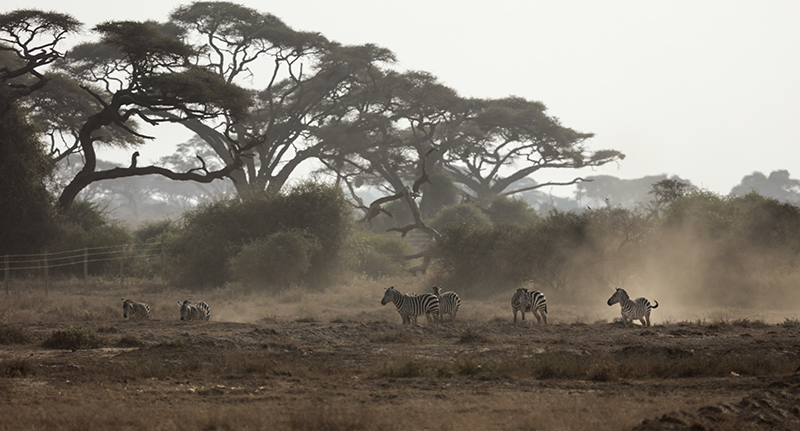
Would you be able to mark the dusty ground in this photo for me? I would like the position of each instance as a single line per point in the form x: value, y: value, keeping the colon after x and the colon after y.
x: 337, y: 360
x: 375, y: 374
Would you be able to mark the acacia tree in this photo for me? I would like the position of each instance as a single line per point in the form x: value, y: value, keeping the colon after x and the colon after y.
x: 29, y: 42
x: 32, y: 37
x: 306, y: 81
x: 486, y: 146
x: 507, y: 140
x: 138, y: 69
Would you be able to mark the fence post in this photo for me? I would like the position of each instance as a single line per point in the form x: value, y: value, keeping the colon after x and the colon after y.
x: 86, y: 262
x: 6, y: 273
x: 121, y: 257
x: 163, y: 280
x: 46, y: 275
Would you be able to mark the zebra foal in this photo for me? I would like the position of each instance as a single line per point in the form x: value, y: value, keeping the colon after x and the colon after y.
x: 410, y: 306
x: 135, y: 310
x: 637, y: 309
x: 448, y: 303
x: 196, y: 311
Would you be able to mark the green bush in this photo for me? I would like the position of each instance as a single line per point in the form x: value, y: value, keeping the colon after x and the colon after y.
x: 469, y: 257
x: 504, y: 210
x: 28, y: 220
x: 453, y: 215
x: 87, y: 225
x: 213, y: 234
x: 376, y: 255
x: 154, y: 231
x: 278, y: 261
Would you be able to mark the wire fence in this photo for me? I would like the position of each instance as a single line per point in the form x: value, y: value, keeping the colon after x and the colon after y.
x: 96, y: 259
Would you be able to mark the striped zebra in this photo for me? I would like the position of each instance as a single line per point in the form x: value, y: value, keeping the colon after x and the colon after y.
x: 135, y: 310
x: 410, y: 306
x: 637, y: 309
x: 538, y: 305
x: 196, y: 311
x: 525, y: 300
x: 520, y: 302
x: 448, y: 303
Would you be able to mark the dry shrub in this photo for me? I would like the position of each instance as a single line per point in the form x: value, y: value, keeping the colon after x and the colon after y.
x: 74, y: 338
x: 790, y: 324
x: 18, y: 368
x: 13, y: 334
x: 470, y: 336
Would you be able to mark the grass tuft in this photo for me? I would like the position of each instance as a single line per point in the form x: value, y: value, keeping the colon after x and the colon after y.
x: 18, y: 368
x: 790, y: 324
x: 13, y: 334
x: 468, y: 336
x: 74, y: 338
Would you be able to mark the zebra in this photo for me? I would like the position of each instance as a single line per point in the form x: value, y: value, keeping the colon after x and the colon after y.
x: 196, y: 311
x: 520, y: 302
x: 637, y: 309
x: 525, y: 300
x: 428, y: 312
x: 410, y: 307
x: 538, y: 305
x: 448, y: 303
x: 135, y: 310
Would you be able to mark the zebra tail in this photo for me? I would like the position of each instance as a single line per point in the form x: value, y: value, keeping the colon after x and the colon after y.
x: 655, y: 306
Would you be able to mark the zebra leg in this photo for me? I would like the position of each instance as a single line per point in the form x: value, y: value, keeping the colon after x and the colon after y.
x: 515, y: 315
x: 538, y: 318
x: 648, y: 320
x: 544, y: 317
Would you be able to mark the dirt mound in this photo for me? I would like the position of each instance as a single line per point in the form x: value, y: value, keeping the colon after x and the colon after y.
x: 777, y: 408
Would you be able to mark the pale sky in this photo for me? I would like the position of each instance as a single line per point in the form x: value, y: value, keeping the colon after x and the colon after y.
x: 706, y: 90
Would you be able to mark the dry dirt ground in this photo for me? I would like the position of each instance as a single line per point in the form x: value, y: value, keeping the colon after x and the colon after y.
x: 164, y: 374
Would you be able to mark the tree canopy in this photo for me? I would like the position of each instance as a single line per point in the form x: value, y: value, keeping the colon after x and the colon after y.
x: 268, y: 99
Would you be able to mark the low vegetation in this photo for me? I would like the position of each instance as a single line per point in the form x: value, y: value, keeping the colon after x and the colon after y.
x: 73, y: 338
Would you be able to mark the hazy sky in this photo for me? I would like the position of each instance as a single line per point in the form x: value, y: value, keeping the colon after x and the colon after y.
x: 706, y: 90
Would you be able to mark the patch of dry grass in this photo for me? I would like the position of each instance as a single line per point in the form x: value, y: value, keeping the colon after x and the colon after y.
x: 14, y: 334
x: 73, y: 338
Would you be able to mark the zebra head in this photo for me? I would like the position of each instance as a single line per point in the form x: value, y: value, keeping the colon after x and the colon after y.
x: 437, y: 291
x: 618, y: 296
x: 184, y: 308
x: 389, y: 295
x: 127, y: 307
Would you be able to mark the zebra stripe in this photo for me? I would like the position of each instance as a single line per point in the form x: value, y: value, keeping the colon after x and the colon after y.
x: 525, y: 300
x: 538, y: 305
x: 196, y: 311
x: 637, y: 309
x: 412, y: 306
x: 520, y: 302
x: 448, y: 303
x: 135, y: 310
